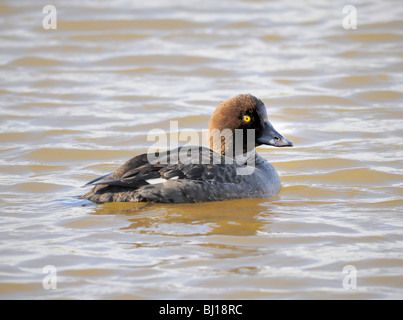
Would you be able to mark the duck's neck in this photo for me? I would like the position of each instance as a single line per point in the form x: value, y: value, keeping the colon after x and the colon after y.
x: 224, y: 143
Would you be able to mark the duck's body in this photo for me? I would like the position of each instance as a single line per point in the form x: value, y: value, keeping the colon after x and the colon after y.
x: 139, y: 181
x: 204, y: 175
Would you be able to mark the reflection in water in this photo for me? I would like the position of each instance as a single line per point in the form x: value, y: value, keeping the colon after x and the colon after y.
x: 78, y: 101
x: 236, y: 218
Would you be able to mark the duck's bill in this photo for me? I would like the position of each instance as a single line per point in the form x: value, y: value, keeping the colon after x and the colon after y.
x: 271, y: 137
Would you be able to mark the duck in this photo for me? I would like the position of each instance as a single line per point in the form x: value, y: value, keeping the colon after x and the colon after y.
x: 230, y: 168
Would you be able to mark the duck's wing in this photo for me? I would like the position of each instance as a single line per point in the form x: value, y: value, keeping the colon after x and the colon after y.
x: 92, y: 182
x: 139, y: 171
x: 114, y: 178
x: 133, y: 177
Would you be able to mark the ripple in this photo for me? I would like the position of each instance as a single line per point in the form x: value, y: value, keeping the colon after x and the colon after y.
x: 155, y: 60
x: 77, y: 155
x: 108, y: 37
x: 36, y: 187
x: 364, y: 81
x: 109, y: 24
x: 380, y: 96
x: 367, y: 37
x: 313, y: 101
x: 352, y: 177
x: 36, y: 61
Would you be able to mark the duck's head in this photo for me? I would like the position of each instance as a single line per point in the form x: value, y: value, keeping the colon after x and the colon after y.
x: 235, y: 116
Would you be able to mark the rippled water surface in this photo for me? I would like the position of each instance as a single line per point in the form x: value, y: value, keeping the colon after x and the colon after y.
x: 78, y: 101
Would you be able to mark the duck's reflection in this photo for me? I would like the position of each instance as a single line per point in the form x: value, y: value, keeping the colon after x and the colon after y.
x: 237, y: 217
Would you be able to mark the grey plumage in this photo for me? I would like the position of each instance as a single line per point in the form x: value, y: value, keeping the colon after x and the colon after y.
x: 193, y: 182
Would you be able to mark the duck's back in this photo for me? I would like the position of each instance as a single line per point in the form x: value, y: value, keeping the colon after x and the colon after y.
x: 195, y: 180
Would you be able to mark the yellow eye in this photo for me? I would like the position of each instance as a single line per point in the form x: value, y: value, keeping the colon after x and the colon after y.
x: 246, y: 118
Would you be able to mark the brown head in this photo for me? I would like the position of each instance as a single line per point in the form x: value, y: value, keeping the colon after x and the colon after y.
x: 240, y: 124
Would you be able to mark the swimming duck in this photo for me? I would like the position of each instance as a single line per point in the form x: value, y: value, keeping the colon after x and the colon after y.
x: 229, y: 169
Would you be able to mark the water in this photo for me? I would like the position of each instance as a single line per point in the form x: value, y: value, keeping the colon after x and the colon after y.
x: 78, y: 101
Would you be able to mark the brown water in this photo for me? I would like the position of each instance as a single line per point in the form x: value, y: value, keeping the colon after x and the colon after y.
x: 78, y: 101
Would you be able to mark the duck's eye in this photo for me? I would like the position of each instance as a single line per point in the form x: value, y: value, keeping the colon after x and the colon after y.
x: 246, y: 119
